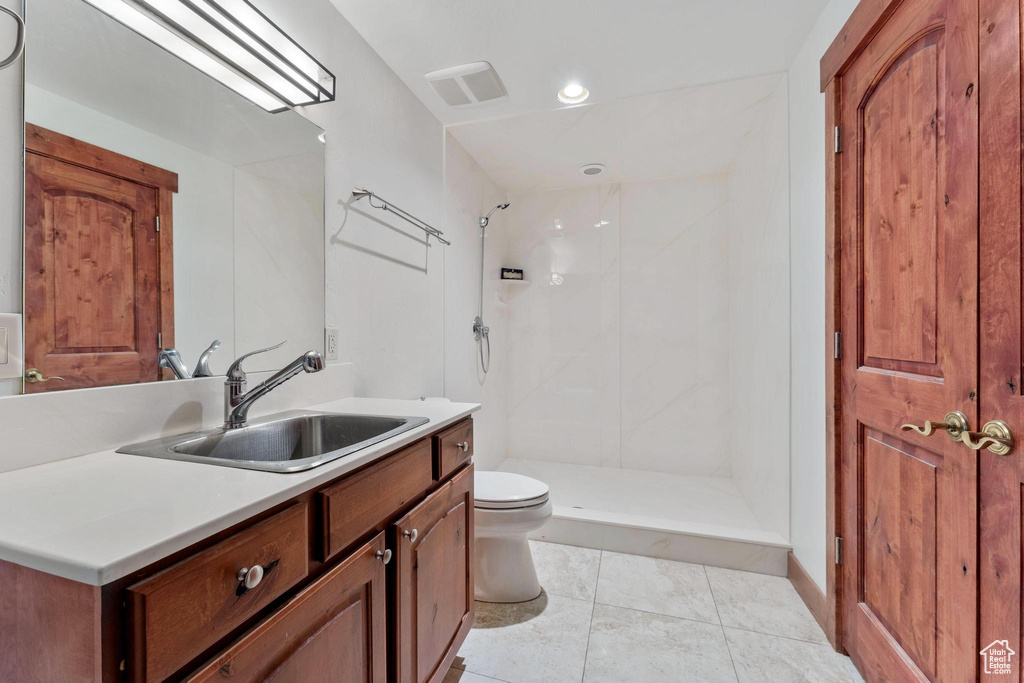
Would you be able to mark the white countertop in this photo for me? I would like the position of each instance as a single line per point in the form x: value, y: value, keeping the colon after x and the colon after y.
x: 97, y: 518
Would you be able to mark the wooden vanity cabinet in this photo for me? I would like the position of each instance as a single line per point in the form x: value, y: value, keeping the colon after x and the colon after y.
x: 433, y: 595
x: 365, y: 579
x: 334, y: 630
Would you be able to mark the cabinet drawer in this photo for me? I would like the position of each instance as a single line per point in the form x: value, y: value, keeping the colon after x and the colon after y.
x: 453, y: 447
x: 366, y: 501
x: 334, y: 629
x: 177, y: 614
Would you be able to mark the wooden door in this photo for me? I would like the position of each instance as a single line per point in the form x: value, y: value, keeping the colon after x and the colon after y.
x: 97, y: 271
x: 908, y: 178
x: 1002, y: 332
x: 434, y: 584
x: 334, y: 631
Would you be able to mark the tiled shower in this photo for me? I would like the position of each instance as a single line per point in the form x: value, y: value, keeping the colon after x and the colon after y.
x: 640, y: 361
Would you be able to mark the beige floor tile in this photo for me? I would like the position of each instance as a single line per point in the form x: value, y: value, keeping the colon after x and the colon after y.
x: 665, y: 587
x: 566, y: 570
x: 763, y: 658
x: 640, y: 647
x: 455, y: 675
x: 766, y: 604
x: 541, y: 641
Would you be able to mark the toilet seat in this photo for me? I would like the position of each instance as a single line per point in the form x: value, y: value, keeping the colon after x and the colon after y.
x: 507, y: 491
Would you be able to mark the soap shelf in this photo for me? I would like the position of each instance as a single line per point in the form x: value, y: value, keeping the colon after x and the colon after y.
x: 509, y: 289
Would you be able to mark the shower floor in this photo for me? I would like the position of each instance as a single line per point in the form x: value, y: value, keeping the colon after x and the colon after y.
x: 688, y: 518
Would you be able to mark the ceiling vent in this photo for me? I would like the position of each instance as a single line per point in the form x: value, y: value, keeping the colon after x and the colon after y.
x: 466, y: 85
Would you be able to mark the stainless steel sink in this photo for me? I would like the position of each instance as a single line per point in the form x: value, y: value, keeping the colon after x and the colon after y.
x: 287, y: 442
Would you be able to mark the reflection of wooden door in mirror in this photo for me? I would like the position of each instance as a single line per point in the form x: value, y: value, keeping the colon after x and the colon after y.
x: 98, y: 264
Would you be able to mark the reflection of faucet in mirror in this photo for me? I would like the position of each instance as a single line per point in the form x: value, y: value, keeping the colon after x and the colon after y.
x: 237, y: 400
x: 171, y: 359
x: 203, y: 366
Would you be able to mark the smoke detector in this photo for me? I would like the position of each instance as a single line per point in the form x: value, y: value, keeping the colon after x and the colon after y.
x: 592, y: 169
x: 466, y: 85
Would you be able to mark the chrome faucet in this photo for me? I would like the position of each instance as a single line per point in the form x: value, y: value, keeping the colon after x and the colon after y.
x: 237, y: 400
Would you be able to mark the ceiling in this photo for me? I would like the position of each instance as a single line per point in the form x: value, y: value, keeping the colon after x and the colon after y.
x: 682, y: 133
x: 616, y: 48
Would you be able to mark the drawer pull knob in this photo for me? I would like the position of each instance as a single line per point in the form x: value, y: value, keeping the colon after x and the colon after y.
x: 411, y: 535
x: 250, y: 576
x: 384, y: 555
x: 464, y: 446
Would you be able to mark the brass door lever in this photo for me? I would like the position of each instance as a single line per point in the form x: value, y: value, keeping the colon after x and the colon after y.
x: 996, y: 436
x: 955, y: 424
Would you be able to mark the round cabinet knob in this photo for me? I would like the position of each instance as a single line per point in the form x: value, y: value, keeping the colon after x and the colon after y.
x: 384, y: 556
x: 464, y: 446
x: 411, y: 535
x: 250, y: 576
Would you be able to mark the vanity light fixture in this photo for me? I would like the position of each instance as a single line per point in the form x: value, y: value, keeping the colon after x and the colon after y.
x: 574, y: 93
x: 232, y: 42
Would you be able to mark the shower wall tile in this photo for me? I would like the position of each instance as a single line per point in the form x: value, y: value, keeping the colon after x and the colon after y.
x: 759, y: 310
x: 675, y: 407
x: 469, y: 194
x: 563, y: 356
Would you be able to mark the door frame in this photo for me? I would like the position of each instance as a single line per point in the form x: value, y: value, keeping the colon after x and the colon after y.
x: 60, y: 147
x: 865, y: 21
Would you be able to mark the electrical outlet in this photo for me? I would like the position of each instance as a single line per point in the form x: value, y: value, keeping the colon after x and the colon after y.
x: 331, y: 343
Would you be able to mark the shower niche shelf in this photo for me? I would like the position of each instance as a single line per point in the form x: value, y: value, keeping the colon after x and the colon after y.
x: 507, y: 290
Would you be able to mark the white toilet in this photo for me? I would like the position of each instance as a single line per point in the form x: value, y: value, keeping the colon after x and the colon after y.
x: 508, y: 507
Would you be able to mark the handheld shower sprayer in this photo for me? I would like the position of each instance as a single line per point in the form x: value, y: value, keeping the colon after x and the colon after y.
x: 480, y: 331
x: 484, y: 221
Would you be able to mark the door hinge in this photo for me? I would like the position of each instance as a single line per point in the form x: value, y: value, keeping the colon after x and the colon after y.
x: 839, y: 549
x: 838, y: 140
x: 158, y: 223
x: 837, y: 347
x: 160, y: 341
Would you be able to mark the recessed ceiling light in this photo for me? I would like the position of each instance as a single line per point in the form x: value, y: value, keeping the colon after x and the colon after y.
x: 592, y: 169
x: 574, y: 93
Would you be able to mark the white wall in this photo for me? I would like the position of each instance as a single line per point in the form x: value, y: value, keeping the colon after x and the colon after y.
x: 807, y: 291
x: 469, y: 194
x: 385, y: 286
x: 758, y: 310
x: 203, y: 211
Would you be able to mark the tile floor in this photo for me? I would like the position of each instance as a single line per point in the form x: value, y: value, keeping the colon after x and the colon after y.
x: 611, y: 618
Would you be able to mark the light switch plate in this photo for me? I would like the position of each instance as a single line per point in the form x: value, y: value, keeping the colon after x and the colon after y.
x: 11, y: 345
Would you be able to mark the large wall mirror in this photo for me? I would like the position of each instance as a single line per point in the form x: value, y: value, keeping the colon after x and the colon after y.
x: 162, y: 210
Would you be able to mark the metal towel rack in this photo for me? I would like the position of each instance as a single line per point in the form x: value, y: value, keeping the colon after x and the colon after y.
x: 385, y: 205
x: 19, y: 42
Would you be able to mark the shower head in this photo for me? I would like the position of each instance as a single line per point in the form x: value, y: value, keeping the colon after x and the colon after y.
x: 487, y: 219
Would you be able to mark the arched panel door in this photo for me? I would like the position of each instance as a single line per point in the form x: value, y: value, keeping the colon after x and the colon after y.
x: 908, y: 296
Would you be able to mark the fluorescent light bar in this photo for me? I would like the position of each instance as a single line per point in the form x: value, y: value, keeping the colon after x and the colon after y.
x: 232, y: 42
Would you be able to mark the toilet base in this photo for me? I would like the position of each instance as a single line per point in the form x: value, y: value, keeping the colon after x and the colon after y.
x: 504, y: 570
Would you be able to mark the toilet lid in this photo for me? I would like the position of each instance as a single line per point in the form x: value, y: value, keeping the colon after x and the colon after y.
x: 502, y: 490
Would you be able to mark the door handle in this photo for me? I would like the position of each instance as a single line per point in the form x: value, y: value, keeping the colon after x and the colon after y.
x: 32, y: 376
x: 955, y: 425
x: 996, y: 436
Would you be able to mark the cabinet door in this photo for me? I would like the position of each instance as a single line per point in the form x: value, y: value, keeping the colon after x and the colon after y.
x: 335, y: 630
x: 434, y: 587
